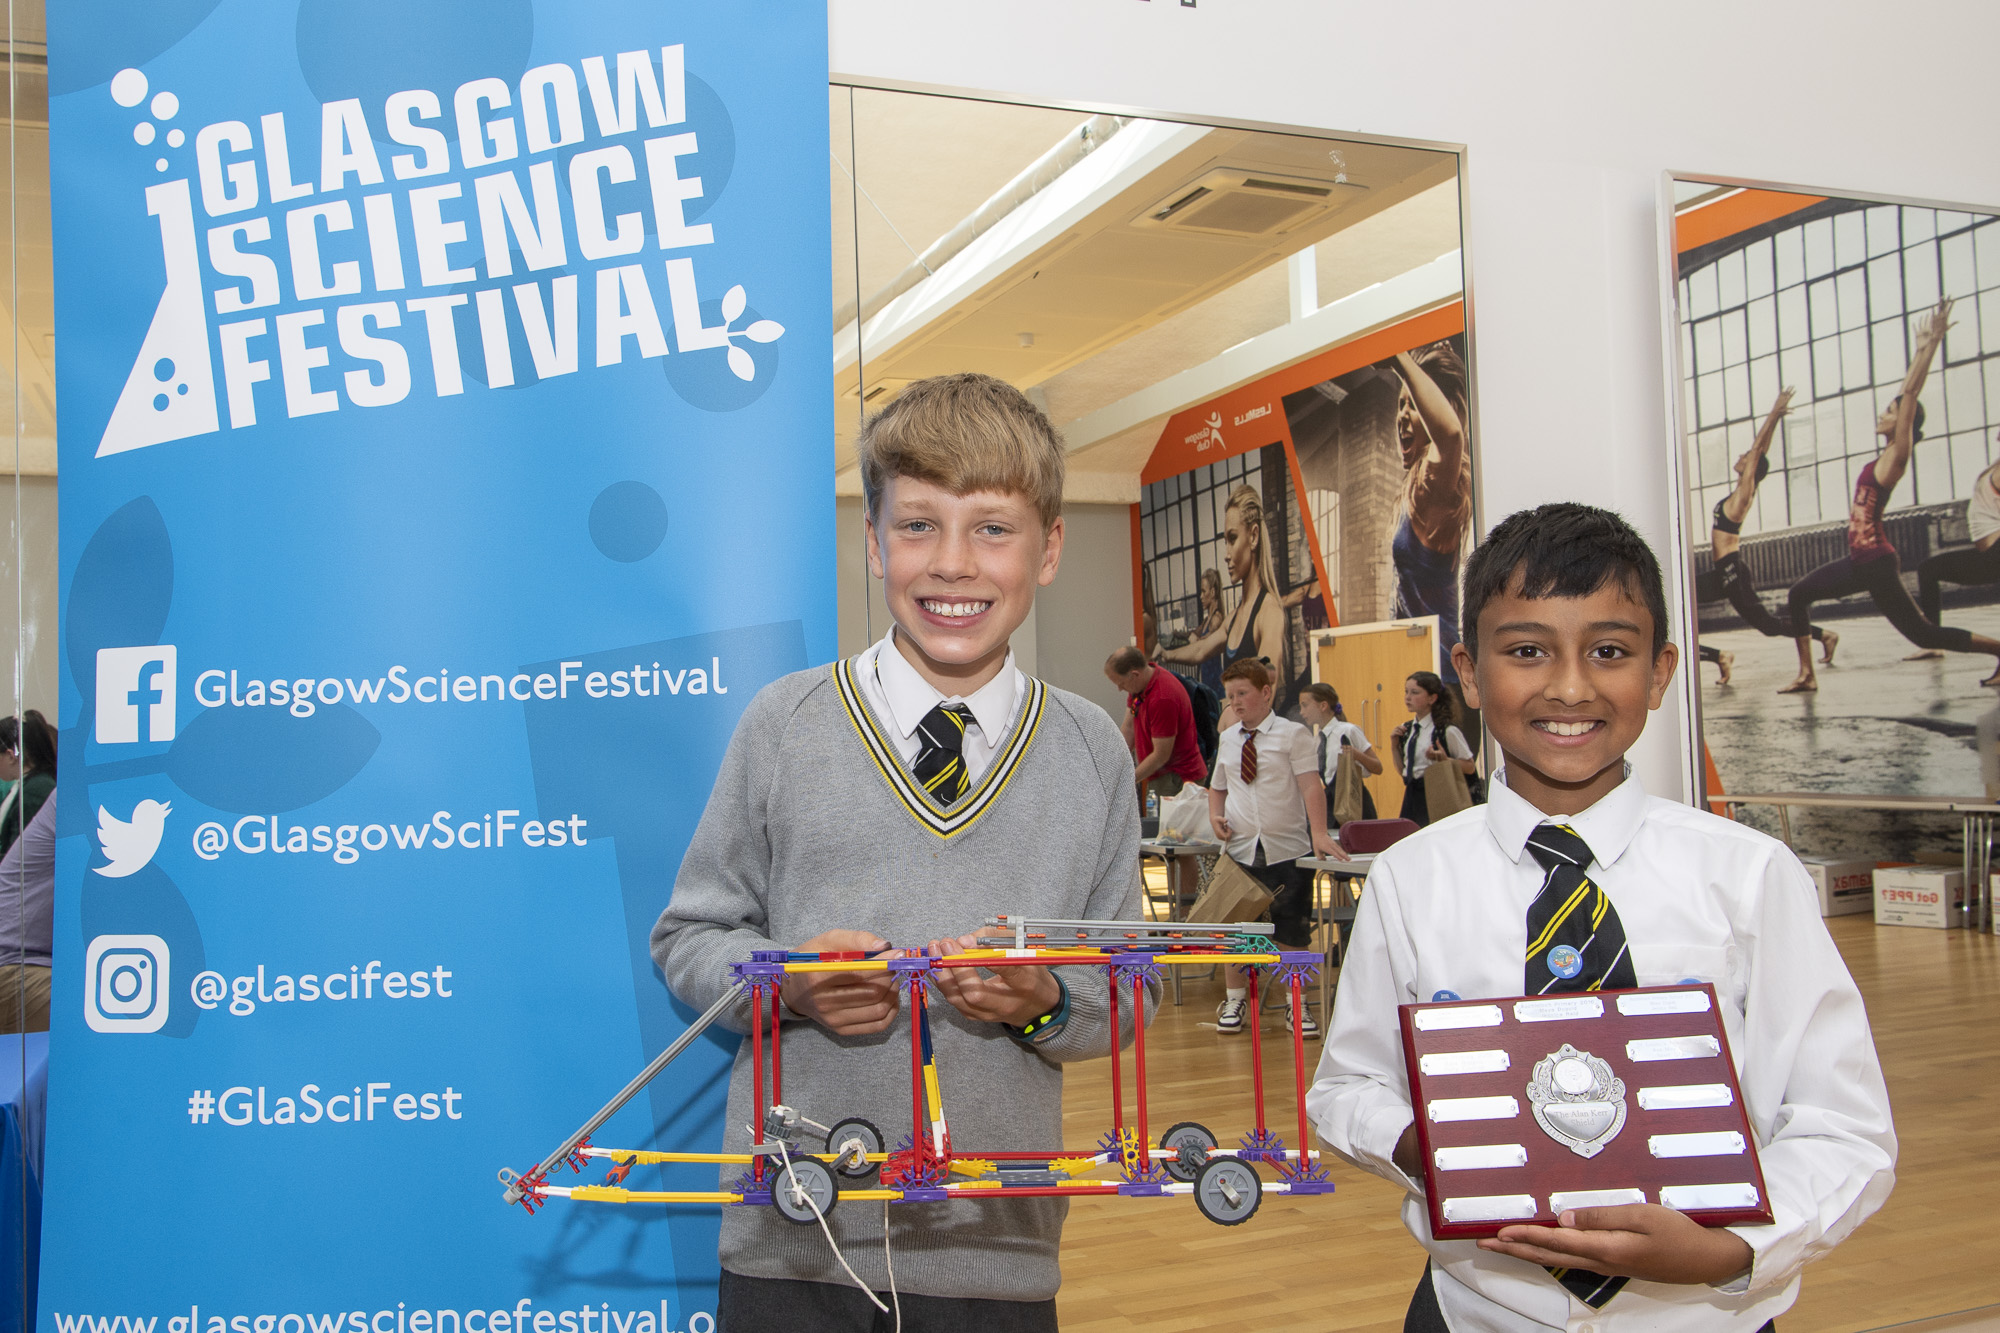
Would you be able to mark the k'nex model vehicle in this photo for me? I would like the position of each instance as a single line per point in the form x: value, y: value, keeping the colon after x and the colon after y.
x: 803, y: 1168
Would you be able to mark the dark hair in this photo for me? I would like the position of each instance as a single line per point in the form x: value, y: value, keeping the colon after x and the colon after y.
x: 1562, y: 550
x: 1443, y: 710
x: 1916, y: 418
x: 1126, y: 660
x: 1763, y: 466
x: 31, y: 735
x: 1325, y: 693
x: 1253, y: 669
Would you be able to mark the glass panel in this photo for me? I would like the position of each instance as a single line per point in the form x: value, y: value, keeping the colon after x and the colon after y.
x: 1761, y: 276
x: 1729, y: 281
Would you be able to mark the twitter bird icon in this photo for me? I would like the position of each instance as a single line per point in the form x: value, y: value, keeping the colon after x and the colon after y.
x: 129, y: 844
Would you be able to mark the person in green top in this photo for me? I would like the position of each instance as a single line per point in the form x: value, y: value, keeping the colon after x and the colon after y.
x: 27, y: 754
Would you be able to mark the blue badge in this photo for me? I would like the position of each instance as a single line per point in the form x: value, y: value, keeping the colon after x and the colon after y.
x: 1565, y: 962
x: 1445, y: 995
x: 1692, y: 981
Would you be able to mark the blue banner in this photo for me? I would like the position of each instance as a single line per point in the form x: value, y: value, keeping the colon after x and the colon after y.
x: 445, y: 424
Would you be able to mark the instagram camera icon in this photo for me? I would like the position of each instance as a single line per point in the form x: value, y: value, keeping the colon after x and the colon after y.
x: 125, y: 983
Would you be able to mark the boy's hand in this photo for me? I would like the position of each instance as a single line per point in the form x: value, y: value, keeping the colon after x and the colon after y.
x: 1223, y: 828
x: 847, y: 1004
x: 1015, y: 996
x: 1324, y: 844
x: 1644, y: 1240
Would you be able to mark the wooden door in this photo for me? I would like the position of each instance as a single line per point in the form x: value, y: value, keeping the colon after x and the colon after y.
x: 1367, y: 665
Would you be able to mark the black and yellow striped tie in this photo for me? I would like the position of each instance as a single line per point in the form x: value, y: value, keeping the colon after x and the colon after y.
x: 940, y: 762
x: 1575, y: 940
x: 1575, y: 943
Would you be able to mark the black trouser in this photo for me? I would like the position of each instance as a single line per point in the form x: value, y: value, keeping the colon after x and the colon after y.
x: 1424, y: 1316
x: 1967, y: 565
x: 1291, y: 900
x: 1730, y: 581
x: 1708, y: 654
x: 1882, y: 580
x: 783, y: 1305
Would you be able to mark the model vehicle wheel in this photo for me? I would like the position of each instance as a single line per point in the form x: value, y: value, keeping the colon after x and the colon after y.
x: 1228, y: 1191
x: 855, y: 1130
x: 801, y: 1184
x: 1189, y: 1142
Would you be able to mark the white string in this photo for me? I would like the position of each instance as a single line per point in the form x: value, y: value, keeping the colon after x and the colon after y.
x: 889, y: 1259
x: 820, y: 1217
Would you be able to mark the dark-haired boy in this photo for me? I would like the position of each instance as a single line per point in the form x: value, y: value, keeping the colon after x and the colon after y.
x: 1565, y: 652
x: 904, y: 795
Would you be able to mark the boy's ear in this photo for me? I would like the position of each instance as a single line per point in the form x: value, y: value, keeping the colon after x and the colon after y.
x: 1052, y: 546
x: 874, y: 545
x: 1663, y: 671
x: 1468, y: 675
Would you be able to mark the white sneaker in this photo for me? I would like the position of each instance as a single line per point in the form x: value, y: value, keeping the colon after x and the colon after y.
x: 1229, y: 1018
x: 1304, y: 1023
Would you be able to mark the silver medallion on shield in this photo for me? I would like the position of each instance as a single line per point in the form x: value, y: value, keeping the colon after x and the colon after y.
x: 1577, y: 1100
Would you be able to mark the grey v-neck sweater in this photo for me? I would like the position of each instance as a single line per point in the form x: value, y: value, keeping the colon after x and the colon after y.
x: 806, y: 832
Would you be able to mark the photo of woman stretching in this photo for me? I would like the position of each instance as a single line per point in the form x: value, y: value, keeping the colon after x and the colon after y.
x: 1436, y: 507
x: 1871, y: 564
x: 1971, y: 565
x: 1256, y: 629
x: 1729, y: 577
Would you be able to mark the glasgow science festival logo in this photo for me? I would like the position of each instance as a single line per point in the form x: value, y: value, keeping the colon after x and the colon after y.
x: 325, y: 275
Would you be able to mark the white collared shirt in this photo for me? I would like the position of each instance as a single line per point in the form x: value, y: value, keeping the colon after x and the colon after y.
x: 1426, y: 730
x: 1269, y: 810
x: 1333, y: 733
x: 901, y: 699
x: 1701, y: 898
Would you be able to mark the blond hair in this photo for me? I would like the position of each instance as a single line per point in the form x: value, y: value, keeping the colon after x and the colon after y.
x: 965, y: 433
x: 1245, y: 502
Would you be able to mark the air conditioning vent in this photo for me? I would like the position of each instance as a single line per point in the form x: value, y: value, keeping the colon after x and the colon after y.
x: 1235, y: 202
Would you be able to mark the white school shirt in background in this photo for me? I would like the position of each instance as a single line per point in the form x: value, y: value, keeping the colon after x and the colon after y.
x: 901, y: 698
x: 1701, y: 899
x: 1334, y: 732
x: 1454, y: 745
x: 1270, y: 810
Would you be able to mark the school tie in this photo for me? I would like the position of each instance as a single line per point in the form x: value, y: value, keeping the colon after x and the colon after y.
x: 1249, y: 756
x: 1322, y: 754
x: 1575, y: 943
x: 1575, y: 940
x: 940, y: 762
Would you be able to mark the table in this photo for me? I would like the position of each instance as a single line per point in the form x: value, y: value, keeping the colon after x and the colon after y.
x: 1978, y: 843
x: 1176, y: 854
x: 24, y: 1094
x: 1344, y: 874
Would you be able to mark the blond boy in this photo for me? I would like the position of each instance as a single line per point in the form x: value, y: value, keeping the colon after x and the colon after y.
x: 901, y: 796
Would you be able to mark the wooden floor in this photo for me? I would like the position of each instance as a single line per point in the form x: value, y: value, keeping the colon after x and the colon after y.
x: 1345, y: 1262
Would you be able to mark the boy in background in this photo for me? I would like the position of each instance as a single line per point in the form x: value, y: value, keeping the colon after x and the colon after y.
x: 1268, y: 805
x: 905, y: 795
x: 1565, y: 651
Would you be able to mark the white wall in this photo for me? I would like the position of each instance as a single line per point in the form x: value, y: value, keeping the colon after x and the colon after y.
x: 1570, y: 113
x: 1086, y: 614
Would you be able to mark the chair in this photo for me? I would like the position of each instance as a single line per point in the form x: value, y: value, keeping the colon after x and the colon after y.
x: 1373, y: 835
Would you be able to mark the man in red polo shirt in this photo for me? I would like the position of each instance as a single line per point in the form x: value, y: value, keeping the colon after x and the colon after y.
x: 1159, y: 722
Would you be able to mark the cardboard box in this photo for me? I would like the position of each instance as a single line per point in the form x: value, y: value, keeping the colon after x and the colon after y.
x: 1844, y: 887
x: 1919, y: 896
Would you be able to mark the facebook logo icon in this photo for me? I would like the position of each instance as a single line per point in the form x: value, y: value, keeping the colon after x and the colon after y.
x: 135, y: 694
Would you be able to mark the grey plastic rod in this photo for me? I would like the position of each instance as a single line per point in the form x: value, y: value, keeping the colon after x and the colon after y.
x: 652, y: 1071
